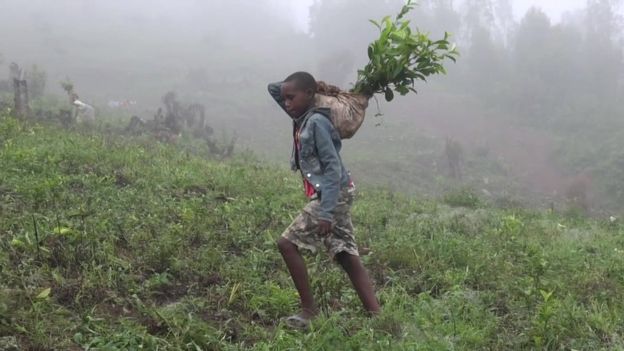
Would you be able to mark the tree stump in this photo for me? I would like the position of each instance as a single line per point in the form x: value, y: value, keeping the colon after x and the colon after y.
x: 20, y: 89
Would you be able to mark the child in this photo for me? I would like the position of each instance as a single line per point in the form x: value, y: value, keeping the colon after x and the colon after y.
x: 326, y: 220
x: 83, y: 112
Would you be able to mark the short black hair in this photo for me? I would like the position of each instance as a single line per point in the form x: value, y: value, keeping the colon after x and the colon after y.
x: 302, y: 80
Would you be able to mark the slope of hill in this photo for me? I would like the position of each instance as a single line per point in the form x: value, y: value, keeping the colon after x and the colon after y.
x: 111, y: 243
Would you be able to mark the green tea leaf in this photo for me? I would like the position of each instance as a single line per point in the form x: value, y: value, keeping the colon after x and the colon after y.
x: 44, y: 294
x: 375, y: 23
x: 17, y: 243
x: 62, y: 230
x: 400, y: 56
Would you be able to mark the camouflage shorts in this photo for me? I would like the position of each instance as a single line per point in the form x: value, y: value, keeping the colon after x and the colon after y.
x: 304, y: 230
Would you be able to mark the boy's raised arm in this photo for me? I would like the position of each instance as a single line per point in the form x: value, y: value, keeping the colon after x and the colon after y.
x: 275, y: 89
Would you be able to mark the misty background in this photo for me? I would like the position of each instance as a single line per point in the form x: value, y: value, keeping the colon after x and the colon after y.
x: 533, y: 103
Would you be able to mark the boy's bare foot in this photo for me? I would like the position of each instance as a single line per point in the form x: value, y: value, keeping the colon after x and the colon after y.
x: 300, y: 320
x: 308, y: 313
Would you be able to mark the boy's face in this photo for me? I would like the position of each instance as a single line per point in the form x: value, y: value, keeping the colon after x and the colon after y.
x: 297, y: 101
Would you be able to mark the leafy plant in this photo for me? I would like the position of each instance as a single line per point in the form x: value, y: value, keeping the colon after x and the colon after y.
x: 401, y: 56
x: 68, y: 86
x: 464, y: 197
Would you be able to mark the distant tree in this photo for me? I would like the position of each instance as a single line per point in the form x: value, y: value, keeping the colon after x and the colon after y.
x: 603, y: 20
x: 495, y: 16
x: 532, y: 42
x: 504, y: 18
x: 534, y: 65
x: 476, y: 16
x: 603, y: 33
x: 566, y: 71
x: 444, y: 18
x: 20, y: 88
x: 242, y: 38
x: 5, y: 85
x: 482, y: 43
x: 36, y: 78
x: 485, y: 56
x: 485, y: 66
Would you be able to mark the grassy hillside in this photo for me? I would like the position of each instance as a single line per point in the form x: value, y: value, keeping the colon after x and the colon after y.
x: 108, y: 243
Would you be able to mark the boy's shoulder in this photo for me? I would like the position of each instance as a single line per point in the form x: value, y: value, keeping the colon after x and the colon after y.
x: 322, y: 119
x: 321, y: 116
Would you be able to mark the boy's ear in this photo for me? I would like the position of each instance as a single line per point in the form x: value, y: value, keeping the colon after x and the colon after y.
x: 310, y: 93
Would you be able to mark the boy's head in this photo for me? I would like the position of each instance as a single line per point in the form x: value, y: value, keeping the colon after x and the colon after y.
x: 298, y: 93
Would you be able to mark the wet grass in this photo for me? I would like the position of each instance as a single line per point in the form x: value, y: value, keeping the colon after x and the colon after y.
x: 109, y: 243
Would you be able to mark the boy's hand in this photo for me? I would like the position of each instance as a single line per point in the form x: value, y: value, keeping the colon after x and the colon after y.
x: 325, y: 227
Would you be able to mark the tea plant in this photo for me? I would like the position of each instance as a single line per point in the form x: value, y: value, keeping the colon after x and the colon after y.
x: 400, y: 57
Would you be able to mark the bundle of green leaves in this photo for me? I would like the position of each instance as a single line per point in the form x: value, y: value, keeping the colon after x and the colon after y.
x: 401, y: 56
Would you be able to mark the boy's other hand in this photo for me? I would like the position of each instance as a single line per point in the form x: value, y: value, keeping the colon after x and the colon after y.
x: 325, y: 227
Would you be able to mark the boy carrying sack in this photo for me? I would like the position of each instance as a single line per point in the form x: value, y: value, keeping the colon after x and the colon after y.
x: 325, y: 222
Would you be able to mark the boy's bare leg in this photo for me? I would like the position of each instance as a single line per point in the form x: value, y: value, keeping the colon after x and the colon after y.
x: 299, y: 273
x: 360, y: 280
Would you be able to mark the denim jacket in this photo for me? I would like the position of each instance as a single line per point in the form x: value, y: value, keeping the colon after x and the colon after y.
x: 319, y: 158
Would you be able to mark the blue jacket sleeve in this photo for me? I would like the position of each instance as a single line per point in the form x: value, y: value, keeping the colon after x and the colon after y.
x: 275, y: 90
x: 331, y: 166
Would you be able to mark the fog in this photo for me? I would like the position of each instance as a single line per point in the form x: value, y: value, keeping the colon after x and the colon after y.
x: 533, y: 101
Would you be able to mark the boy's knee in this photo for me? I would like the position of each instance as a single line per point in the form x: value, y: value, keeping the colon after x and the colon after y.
x: 285, y: 246
x: 348, y: 261
x: 344, y: 258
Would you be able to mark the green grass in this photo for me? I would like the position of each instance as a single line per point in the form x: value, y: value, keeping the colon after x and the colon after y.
x: 108, y: 243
